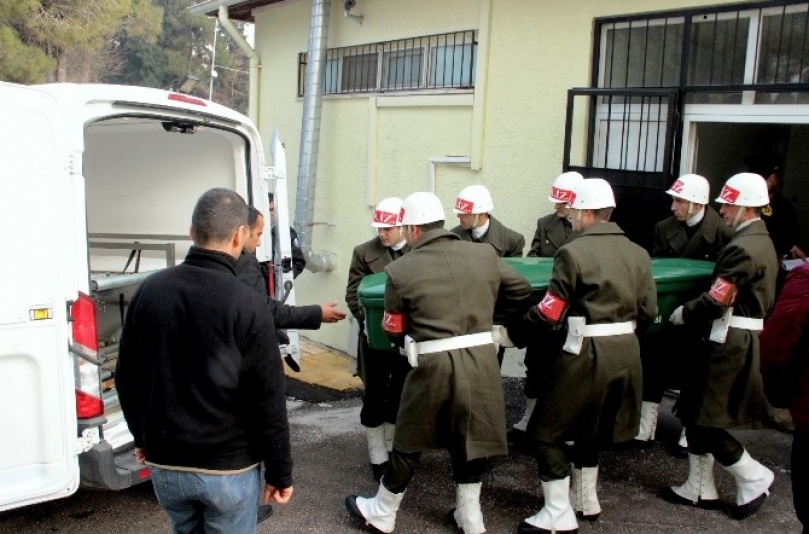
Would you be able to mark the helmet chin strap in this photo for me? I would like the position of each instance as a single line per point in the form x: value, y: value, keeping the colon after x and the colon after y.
x: 690, y: 211
x: 475, y: 221
x: 738, y: 216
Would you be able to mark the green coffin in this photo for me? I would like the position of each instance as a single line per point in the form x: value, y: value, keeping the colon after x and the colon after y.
x: 678, y: 280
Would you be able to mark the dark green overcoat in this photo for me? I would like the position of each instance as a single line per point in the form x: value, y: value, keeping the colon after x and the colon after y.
x: 551, y: 234
x: 595, y: 396
x: 672, y: 241
x: 446, y: 287
x: 724, y: 388
x: 506, y: 242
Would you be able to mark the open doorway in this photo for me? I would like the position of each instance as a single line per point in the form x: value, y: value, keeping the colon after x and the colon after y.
x: 719, y: 150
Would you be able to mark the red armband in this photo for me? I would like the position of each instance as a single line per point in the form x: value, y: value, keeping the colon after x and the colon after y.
x: 551, y: 307
x: 723, y: 292
x: 393, y: 323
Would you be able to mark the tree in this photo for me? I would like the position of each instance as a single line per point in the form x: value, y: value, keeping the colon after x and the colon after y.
x: 70, y: 40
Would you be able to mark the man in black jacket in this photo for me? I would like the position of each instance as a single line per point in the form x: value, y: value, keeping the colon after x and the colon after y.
x: 200, y: 381
x: 298, y: 261
x: 248, y: 270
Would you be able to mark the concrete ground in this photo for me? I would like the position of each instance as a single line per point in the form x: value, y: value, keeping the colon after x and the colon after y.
x: 330, y: 454
x: 331, y: 462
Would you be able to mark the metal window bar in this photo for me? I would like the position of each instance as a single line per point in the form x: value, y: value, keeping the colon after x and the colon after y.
x: 725, y: 37
x: 441, y: 61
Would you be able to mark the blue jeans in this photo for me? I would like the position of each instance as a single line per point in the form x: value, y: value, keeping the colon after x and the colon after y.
x: 209, y: 504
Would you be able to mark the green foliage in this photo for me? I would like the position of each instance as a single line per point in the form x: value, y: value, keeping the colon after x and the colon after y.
x: 21, y: 63
x: 150, y: 43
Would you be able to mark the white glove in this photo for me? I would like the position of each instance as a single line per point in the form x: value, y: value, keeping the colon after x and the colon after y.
x: 676, y: 318
x: 500, y: 335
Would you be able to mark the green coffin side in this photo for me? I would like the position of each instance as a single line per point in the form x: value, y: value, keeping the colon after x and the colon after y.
x: 678, y: 280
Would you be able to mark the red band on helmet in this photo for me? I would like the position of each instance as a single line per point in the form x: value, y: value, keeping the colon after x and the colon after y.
x: 385, y: 217
x: 677, y: 186
x: 552, y: 307
x: 393, y: 323
x: 729, y: 194
x: 464, y: 206
x: 562, y: 195
x: 723, y: 292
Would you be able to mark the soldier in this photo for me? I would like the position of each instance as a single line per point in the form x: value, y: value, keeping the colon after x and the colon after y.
x: 725, y: 390
x: 472, y: 208
x: 382, y: 372
x: 477, y: 225
x: 553, y: 231
x: 590, y: 394
x: 693, y: 231
x: 439, y: 302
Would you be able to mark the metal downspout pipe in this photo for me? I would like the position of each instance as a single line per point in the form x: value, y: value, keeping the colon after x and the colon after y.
x: 255, y: 65
x: 310, y: 137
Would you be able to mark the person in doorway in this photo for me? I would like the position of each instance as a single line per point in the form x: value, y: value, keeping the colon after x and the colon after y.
x: 696, y: 231
x: 725, y: 390
x: 439, y: 304
x: 553, y: 232
x: 200, y: 381
x: 473, y: 206
x: 382, y: 372
x: 779, y: 215
x: 298, y: 262
x: 602, y: 287
x: 785, y: 368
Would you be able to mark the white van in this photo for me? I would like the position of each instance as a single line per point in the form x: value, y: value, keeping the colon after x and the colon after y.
x: 98, y: 184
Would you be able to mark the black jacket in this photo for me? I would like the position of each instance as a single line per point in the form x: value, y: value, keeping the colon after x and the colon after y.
x: 199, y: 373
x: 248, y: 270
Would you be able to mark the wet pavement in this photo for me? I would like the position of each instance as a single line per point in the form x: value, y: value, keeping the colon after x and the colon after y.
x: 330, y: 456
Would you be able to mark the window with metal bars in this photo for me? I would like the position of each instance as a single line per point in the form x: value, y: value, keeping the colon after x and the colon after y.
x: 757, y: 52
x: 443, y: 61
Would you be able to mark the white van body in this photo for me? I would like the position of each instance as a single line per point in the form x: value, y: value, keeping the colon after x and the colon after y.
x: 98, y: 184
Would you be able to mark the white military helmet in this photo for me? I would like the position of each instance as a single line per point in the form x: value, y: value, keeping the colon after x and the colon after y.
x: 474, y: 199
x: 563, y: 187
x: 592, y: 194
x: 421, y: 208
x: 386, y: 213
x: 691, y: 187
x: 745, y: 189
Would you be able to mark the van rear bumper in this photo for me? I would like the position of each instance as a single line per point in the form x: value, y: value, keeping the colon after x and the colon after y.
x: 101, y: 468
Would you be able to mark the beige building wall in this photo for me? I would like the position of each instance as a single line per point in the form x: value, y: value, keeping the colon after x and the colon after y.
x: 530, y: 53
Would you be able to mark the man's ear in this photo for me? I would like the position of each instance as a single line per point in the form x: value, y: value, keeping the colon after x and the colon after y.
x: 237, y: 241
x: 192, y: 234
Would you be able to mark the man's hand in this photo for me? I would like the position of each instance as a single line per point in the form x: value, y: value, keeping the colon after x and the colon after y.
x: 281, y: 496
x: 330, y: 313
x: 677, y: 317
x: 140, y: 455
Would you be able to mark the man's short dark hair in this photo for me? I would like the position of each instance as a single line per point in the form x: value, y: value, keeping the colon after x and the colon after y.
x: 431, y: 226
x: 271, y: 196
x: 218, y: 214
x: 603, y: 214
x: 252, y: 216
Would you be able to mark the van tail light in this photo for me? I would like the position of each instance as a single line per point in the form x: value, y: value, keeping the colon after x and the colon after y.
x: 89, y: 402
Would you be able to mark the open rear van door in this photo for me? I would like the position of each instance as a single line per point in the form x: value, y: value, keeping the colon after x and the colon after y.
x: 38, y: 443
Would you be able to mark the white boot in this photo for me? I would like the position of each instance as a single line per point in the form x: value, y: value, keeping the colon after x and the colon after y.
x: 648, y: 421
x: 390, y: 432
x: 682, y: 442
x: 377, y: 450
x: 557, y: 514
x: 699, y: 488
x: 753, y: 482
x: 467, y: 514
x: 379, y: 511
x: 585, y: 497
x: 522, y: 424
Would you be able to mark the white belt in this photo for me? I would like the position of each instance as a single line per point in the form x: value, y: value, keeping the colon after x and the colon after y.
x: 456, y: 342
x: 747, y: 323
x: 610, y: 329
